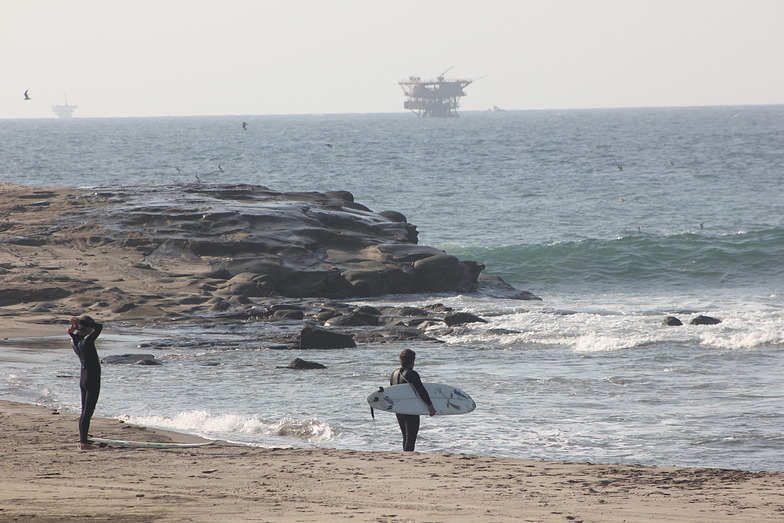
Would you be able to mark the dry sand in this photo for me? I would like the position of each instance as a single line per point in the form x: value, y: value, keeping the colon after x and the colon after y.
x: 43, y: 477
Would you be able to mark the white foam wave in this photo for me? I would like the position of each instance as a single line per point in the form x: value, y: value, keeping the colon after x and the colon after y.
x: 743, y: 330
x: 743, y: 327
x: 203, y: 422
x: 599, y: 343
x: 743, y: 339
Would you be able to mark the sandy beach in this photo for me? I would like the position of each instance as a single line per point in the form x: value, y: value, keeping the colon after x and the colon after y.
x: 46, y: 478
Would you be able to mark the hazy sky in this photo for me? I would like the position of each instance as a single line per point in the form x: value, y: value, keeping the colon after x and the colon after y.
x: 192, y: 57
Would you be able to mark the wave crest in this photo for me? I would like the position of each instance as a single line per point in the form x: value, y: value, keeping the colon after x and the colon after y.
x: 688, y: 258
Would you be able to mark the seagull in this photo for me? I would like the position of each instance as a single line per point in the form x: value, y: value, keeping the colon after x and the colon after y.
x: 328, y: 145
x: 26, y: 97
x: 245, y: 126
x: 220, y: 168
x: 620, y: 167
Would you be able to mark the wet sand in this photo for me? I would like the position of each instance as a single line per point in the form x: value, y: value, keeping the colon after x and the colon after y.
x: 44, y: 477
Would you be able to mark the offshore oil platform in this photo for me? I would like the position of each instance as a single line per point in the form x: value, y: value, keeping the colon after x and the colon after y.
x: 439, y: 98
x: 64, y: 111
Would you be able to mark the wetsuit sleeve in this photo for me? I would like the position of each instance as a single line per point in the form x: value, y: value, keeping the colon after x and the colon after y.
x: 413, y: 378
x: 96, y: 327
x: 75, y: 347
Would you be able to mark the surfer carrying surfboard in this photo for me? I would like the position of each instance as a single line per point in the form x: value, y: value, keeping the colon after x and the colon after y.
x: 409, y: 423
x: 83, y: 332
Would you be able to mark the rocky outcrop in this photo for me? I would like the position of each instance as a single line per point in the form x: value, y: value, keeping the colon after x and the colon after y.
x: 364, y: 324
x: 131, y: 359
x: 171, y: 251
x: 300, y: 364
x: 461, y: 318
x: 316, y: 338
x: 704, y: 320
x: 259, y: 242
x: 493, y: 286
x: 697, y: 320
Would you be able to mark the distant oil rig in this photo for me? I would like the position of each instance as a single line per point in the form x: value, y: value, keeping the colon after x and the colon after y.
x: 439, y: 98
x: 64, y: 111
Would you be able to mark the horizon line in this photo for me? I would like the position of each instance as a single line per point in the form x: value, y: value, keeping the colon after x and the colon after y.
x: 465, y: 111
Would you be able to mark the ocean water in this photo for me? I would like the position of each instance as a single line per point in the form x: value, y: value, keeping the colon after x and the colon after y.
x: 616, y: 218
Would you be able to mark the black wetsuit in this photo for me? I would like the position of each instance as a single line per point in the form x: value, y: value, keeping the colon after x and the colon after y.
x: 90, y: 381
x: 409, y: 423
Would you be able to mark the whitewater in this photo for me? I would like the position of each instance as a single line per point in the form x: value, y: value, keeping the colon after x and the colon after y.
x: 615, y: 218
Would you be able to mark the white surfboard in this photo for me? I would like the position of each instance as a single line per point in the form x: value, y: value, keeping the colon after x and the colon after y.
x: 147, y: 444
x: 403, y: 399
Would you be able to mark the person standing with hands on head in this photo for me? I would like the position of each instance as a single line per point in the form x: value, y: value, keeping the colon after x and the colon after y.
x: 409, y: 423
x: 83, y: 332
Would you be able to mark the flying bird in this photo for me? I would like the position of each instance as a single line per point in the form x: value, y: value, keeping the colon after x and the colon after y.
x: 245, y: 126
x: 26, y: 97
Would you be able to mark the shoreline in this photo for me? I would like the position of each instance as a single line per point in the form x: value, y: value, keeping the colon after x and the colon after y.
x: 45, y: 478
x: 49, y: 338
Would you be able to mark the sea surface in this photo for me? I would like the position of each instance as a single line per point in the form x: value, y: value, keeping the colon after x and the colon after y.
x: 616, y: 218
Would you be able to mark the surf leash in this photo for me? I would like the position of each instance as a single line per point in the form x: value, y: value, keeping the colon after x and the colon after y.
x: 372, y: 413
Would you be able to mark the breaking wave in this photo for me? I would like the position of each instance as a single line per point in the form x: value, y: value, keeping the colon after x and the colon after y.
x: 233, y: 426
x: 687, y: 258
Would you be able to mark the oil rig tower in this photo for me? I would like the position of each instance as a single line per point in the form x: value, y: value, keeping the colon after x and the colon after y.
x: 437, y: 98
x: 64, y: 111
